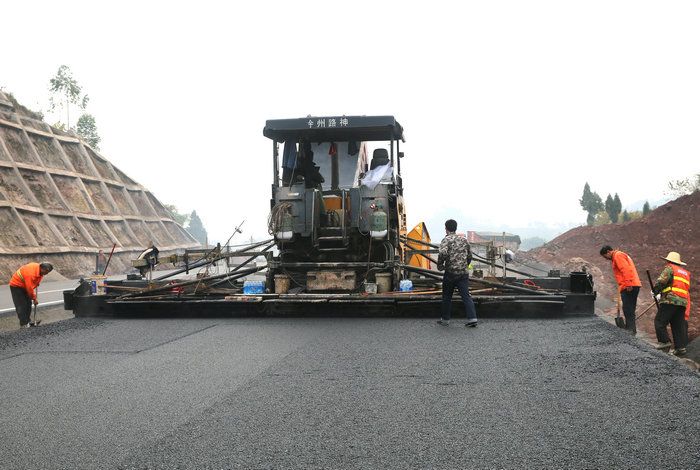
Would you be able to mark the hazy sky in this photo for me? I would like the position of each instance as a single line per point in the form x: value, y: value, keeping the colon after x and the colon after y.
x: 508, y: 107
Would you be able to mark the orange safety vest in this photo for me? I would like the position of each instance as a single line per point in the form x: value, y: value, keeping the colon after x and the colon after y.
x: 680, y: 286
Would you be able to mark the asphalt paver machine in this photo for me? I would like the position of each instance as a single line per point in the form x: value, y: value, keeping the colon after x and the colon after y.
x: 337, y: 209
x: 338, y: 245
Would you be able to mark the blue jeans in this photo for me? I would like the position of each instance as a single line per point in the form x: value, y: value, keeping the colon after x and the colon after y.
x: 461, y: 282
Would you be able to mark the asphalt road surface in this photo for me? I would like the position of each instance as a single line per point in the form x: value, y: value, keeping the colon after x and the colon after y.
x: 342, y: 393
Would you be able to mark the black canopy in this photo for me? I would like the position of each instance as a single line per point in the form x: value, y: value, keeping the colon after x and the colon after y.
x: 334, y: 129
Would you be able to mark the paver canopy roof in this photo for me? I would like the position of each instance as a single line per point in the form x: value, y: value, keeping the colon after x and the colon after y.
x: 334, y: 129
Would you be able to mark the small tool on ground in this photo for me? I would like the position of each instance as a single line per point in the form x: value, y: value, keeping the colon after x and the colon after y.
x: 36, y: 322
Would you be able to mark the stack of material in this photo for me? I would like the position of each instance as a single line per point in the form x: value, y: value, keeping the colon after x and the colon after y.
x: 61, y: 201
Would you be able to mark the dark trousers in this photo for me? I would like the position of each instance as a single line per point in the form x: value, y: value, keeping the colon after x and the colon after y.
x: 629, y: 308
x: 23, y: 304
x: 675, y: 315
x: 461, y: 282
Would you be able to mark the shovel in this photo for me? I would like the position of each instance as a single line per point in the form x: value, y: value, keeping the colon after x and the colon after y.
x: 619, y: 319
x: 35, y: 322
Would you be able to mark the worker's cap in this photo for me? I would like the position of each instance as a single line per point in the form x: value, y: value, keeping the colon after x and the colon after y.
x: 674, y: 258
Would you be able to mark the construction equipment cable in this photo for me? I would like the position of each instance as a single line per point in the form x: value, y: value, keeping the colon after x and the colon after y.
x: 274, y: 220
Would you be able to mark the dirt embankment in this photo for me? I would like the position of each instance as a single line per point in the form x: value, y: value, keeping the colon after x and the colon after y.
x: 675, y: 226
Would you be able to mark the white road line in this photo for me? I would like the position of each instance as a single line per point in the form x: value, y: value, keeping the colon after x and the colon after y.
x: 45, y: 304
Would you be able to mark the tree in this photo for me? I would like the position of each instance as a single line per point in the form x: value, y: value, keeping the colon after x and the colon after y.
x: 617, y: 208
x: 646, y: 209
x: 610, y: 207
x: 681, y: 187
x: 591, y: 203
x: 626, y: 216
x: 196, y: 228
x: 177, y: 216
x: 586, y: 197
x: 601, y: 218
x: 87, y: 129
x: 66, y: 91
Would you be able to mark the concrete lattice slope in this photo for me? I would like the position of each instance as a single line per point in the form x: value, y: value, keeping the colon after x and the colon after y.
x: 61, y: 201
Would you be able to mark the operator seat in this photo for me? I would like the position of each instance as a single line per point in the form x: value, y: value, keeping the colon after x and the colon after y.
x: 380, y: 157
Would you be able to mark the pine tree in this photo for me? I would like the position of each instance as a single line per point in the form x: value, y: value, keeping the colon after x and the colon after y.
x: 617, y: 208
x: 591, y: 203
x: 196, y: 228
x: 610, y: 207
x: 646, y: 209
x: 626, y: 216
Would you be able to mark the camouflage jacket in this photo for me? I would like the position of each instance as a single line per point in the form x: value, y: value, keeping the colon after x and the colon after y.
x: 455, y: 255
x: 665, y: 280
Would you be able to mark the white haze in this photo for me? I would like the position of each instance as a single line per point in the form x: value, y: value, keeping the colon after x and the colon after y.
x: 508, y: 107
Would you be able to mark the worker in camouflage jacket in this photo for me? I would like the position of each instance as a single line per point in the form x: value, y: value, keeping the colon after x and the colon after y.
x: 673, y: 291
x: 454, y: 258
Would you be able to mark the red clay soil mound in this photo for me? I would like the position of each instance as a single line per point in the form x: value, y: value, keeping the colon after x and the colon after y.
x: 675, y: 226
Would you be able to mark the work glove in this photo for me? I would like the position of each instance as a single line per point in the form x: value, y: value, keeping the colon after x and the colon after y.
x: 657, y: 297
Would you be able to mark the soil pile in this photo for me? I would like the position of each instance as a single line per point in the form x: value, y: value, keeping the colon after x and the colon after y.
x: 675, y: 226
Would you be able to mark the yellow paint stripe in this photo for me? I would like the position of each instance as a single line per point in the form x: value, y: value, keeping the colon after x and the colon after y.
x: 675, y: 289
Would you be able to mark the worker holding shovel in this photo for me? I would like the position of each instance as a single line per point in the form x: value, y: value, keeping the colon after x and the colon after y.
x: 627, y: 281
x: 22, y: 287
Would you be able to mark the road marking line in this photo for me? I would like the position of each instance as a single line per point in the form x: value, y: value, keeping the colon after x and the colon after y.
x: 51, y: 291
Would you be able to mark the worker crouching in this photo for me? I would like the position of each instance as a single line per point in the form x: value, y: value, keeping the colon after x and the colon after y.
x: 23, y: 286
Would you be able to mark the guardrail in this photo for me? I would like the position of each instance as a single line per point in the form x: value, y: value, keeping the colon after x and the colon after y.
x: 6, y: 311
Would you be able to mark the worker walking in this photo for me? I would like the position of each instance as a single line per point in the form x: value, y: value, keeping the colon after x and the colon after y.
x: 22, y: 287
x: 627, y: 282
x: 454, y: 258
x: 673, y: 285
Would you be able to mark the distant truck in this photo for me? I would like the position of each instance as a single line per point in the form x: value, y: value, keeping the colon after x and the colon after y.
x: 337, y: 209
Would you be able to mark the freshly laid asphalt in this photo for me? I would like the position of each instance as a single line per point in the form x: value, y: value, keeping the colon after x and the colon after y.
x: 342, y: 393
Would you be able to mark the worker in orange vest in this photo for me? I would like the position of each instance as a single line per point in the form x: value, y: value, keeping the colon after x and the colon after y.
x: 627, y: 281
x: 673, y: 285
x: 22, y: 287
